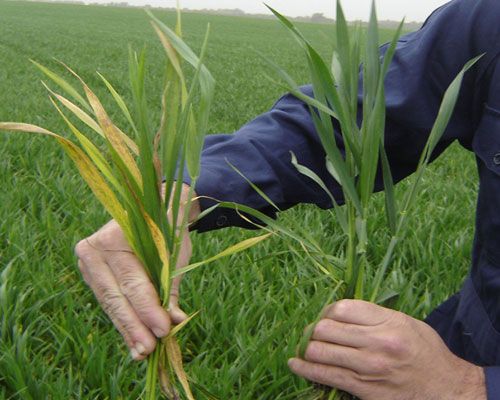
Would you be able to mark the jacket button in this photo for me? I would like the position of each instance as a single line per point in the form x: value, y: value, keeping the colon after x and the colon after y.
x: 496, y: 159
x: 222, y: 220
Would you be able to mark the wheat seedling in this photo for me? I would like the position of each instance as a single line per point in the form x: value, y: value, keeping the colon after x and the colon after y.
x: 131, y: 174
x: 355, y: 167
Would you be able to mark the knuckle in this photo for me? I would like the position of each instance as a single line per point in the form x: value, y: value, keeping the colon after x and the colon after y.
x: 342, y: 308
x: 322, y: 328
x: 353, y: 330
x: 130, y: 285
x: 326, y: 375
x: 84, y: 272
x: 314, y: 351
x: 140, y: 293
x: 107, y: 236
x: 126, y: 324
x: 150, y: 345
x: 394, y: 344
x: 150, y: 313
x: 380, y: 366
x: 142, y: 298
x: 82, y: 249
x: 82, y: 267
x: 110, y: 300
x: 127, y: 266
x: 363, y: 378
x: 354, y: 383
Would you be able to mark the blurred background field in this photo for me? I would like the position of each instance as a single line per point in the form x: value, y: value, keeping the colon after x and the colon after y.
x: 55, y: 342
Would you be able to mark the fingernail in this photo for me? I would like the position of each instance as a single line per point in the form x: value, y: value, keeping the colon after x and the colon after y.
x: 160, y: 332
x: 139, y: 347
x: 291, y: 363
x: 134, y: 353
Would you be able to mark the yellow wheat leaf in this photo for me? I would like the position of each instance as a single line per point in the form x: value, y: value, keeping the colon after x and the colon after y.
x: 175, y: 360
x: 82, y: 115
x: 161, y: 247
x: 173, y: 58
x: 63, y: 84
x: 113, y: 135
x: 128, y: 141
x: 243, y: 245
x: 178, y: 327
x: 87, y: 169
x: 121, y: 103
x: 92, y: 151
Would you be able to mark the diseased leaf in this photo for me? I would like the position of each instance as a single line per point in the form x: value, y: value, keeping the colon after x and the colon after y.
x: 129, y: 142
x: 121, y: 103
x: 175, y: 360
x: 93, y: 152
x: 161, y: 247
x: 114, y: 136
x: 87, y: 170
x: 68, y: 88
x: 177, y: 328
x: 243, y: 245
x: 82, y: 115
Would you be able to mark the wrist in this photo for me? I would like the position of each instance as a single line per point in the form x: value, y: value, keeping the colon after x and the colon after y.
x: 194, y: 209
x: 473, y: 383
x: 187, y: 196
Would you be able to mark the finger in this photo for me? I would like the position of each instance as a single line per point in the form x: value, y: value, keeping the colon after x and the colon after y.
x: 176, y: 313
x: 136, y: 286
x: 329, y: 330
x: 138, y: 337
x: 186, y: 250
x: 337, y: 377
x: 336, y: 356
x: 357, y: 312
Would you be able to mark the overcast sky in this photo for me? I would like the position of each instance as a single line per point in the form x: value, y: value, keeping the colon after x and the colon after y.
x: 413, y: 10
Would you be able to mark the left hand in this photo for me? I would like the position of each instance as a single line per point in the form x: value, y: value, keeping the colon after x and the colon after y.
x: 375, y: 353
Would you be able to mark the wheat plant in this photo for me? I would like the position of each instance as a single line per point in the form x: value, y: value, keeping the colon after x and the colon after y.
x: 138, y: 176
x: 355, y: 166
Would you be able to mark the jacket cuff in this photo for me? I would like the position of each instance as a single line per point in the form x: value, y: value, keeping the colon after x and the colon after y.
x: 213, y: 220
x: 210, y: 195
x: 492, y: 376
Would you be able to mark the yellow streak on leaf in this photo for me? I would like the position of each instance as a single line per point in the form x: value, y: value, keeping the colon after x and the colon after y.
x: 113, y: 135
x: 119, y: 100
x: 63, y: 84
x: 243, y: 245
x: 161, y: 247
x: 173, y: 58
x: 128, y: 141
x: 175, y: 360
x: 87, y: 170
x: 177, y: 328
x: 82, y: 115
x: 92, y: 151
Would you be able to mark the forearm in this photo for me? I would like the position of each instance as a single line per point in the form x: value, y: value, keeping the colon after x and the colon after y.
x: 260, y: 150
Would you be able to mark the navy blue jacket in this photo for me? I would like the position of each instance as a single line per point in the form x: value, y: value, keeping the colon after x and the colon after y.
x: 424, y: 65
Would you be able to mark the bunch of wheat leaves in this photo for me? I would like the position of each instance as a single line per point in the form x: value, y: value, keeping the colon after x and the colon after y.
x: 127, y: 173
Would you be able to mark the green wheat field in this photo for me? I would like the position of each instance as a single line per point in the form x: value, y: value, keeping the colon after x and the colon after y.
x: 55, y: 342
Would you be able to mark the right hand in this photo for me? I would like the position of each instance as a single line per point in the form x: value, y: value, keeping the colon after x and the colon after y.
x: 124, y: 290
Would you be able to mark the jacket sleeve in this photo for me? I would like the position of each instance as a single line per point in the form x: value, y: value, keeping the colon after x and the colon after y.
x: 261, y: 151
x: 424, y: 65
x: 492, y: 375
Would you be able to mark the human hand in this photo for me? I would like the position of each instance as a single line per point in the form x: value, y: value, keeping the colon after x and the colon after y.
x: 124, y: 290
x: 375, y: 353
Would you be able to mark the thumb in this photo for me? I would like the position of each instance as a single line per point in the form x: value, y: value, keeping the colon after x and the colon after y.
x: 176, y: 313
